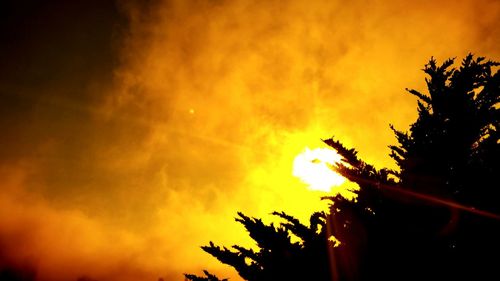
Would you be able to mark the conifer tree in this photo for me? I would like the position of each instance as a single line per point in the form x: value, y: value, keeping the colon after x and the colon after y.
x: 434, y: 218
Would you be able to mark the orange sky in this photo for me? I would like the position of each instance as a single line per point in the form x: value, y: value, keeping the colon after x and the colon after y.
x: 133, y: 133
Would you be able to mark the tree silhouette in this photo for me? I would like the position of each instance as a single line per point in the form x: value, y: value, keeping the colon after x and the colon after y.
x: 434, y: 218
x: 279, y: 257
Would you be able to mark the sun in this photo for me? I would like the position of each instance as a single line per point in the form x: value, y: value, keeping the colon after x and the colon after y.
x: 313, y: 167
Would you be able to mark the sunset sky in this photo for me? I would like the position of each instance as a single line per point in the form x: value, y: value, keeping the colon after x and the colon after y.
x: 133, y: 131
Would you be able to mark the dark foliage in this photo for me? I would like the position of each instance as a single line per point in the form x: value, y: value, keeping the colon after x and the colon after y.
x: 209, y: 277
x: 435, y: 218
x: 280, y: 257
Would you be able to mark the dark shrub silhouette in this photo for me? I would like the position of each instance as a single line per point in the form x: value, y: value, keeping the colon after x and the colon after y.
x: 435, y: 218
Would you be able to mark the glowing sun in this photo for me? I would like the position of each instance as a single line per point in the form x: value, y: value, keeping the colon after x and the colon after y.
x: 313, y: 167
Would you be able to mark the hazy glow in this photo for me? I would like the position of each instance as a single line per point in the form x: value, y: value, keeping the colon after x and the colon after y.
x: 123, y: 174
x: 314, y: 167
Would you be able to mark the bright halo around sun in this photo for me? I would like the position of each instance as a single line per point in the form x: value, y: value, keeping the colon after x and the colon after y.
x: 313, y: 167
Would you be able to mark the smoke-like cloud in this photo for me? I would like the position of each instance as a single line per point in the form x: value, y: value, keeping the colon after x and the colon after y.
x: 124, y: 174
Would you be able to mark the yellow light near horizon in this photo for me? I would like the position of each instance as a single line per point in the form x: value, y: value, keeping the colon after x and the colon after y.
x: 313, y: 167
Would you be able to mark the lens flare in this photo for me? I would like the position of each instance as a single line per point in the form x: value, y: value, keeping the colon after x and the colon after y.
x: 313, y: 167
